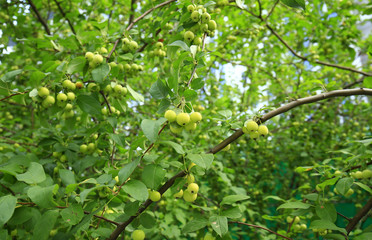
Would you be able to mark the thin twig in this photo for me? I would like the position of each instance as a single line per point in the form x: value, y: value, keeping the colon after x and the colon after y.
x: 41, y: 20
x: 272, y: 9
x: 256, y: 226
x: 64, y: 15
x: 347, y: 218
x: 14, y: 94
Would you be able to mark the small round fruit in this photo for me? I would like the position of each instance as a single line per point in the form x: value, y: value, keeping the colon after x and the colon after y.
x: 296, y: 220
x: 189, y: 197
x: 212, y: 25
x: 61, y: 97
x: 190, y: 8
x: 303, y: 226
x: 133, y: 45
x: 193, y: 188
x: 71, y: 96
x: 89, y: 56
x: 195, y: 15
x: 91, y: 147
x: 349, y: 193
x: 83, y: 148
x: 48, y: 101
x: 204, y: 27
x: 138, y: 235
x: 92, y: 87
x: 176, y: 129
x: 358, y: 175
x: 170, y: 115
x: 104, y: 111
x: 227, y: 148
x: 43, y: 92
x: 97, y: 59
x: 195, y: 117
x: 159, y: 45
x: 205, y: 17
x: 209, y: 236
x: 190, y: 179
x: 66, y: 83
x: 251, y: 125
x: 263, y: 130
x: 254, y: 135
x: 103, y: 50
x: 188, y: 36
x: 197, y: 41
x: 367, y: 173
x: 183, y: 119
x: 79, y: 85
x: 155, y: 196
x: 289, y: 219
x: 178, y: 194
x: 190, y: 126
x: 63, y: 158
x: 68, y: 107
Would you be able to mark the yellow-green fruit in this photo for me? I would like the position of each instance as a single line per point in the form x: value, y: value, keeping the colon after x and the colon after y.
x: 56, y: 154
x: 71, y: 96
x: 176, y: 129
x: 48, y: 101
x: 349, y: 193
x: 159, y: 45
x: 296, y: 220
x: 205, y: 17
x: 138, y: 235
x: 83, y: 148
x: 254, y: 135
x: 188, y: 36
x: 179, y: 194
x: 97, y: 59
x: 190, y: 178
x: 155, y: 196
x: 303, y: 226
x: 68, y: 107
x: 195, y: 15
x: 103, y: 50
x: 89, y: 56
x: 204, y: 27
x: 227, y: 148
x: 63, y: 158
x: 170, y: 115
x: 195, y: 117
x: 183, y: 119
x: 251, y: 126
x: 190, y: 126
x: 61, y: 97
x: 212, y: 25
x: 367, y: 173
x: 190, y: 8
x: 318, y: 188
x: 289, y: 219
x: 209, y: 236
x: 189, y: 197
x: 91, y: 147
x: 133, y: 45
x: 66, y: 83
x: 193, y: 188
x: 104, y: 111
x: 92, y: 87
x: 197, y: 41
x: 358, y: 175
x: 43, y: 92
x: 263, y: 130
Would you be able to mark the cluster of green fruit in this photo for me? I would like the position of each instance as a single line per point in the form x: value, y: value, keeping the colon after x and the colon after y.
x: 365, y: 174
x: 347, y: 194
x: 8, y: 115
x: 58, y: 155
x: 203, y: 24
x: 222, y: 3
x: 296, y: 225
x: 138, y: 235
x: 129, y: 45
x: 182, y: 120
x: 88, y: 148
x: 159, y: 50
x: 191, y: 192
x: 322, y: 232
x: 44, y: 97
x: 254, y: 130
x: 94, y: 59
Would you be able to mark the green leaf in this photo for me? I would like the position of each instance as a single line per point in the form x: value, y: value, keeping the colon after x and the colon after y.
x: 343, y: 185
x: 190, y: 94
x: 44, y: 224
x: 158, y: 90
x: 89, y: 104
x: 127, y: 170
x: 367, y: 82
x: 7, y: 206
x: 42, y: 196
x: 175, y: 146
x: 228, y: 200
x: 326, y: 211
x: 295, y: 3
x: 76, y: 65
x: 194, y: 225
x: 274, y: 198
x: 73, y: 214
x: 219, y: 224
x: 136, y: 189
x: 363, y: 186
x: 180, y: 44
x: 151, y: 128
x: 118, y: 139
x: 328, y: 182
x: 202, y: 160
x: 147, y: 220
x: 363, y: 236
x: 9, y: 76
x: 337, y: 237
x: 135, y: 95
x: 35, y: 174
x: 232, y: 213
x: 325, y: 224
x: 225, y: 113
x: 298, y: 204
x: 153, y: 175
x: 67, y: 176
x: 100, y: 72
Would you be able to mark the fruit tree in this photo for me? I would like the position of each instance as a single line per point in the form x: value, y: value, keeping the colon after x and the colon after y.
x: 185, y: 119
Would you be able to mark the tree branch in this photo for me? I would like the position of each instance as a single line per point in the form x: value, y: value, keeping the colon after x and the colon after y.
x: 354, y: 221
x: 64, y: 15
x: 256, y: 226
x: 14, y: 94
x: 41, y: 20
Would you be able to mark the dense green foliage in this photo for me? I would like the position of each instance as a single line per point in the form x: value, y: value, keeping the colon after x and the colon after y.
x: 85, y: 145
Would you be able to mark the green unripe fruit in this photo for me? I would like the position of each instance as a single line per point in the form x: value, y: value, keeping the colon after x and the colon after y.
x: 66, y: 83
x: 263, y: 130
x: 176, y: 129
x: 190, y: 8
x: 89, y: 56
x: 97, y: 59
x: 121, y: 67
x: 289, y: 219
x: 179, y: 194
x: 318, y: 188
x: 104, y: 111
x: 71, y: 96
x: 349, y: 193
x: 367, y: 173
x: 103, y: 50
x: 204, y: 27
x: 63, y: 158
x: 118, y: 89
x: 190, y: 178
x: 189, y: 197
x: 358, y: 175
x: 138, y: 235
x: 183, y: 119
x: 83, y: 148
x: 195, y: 117
x: 227, y: 148
x: 127, y: 67
x: 303, y: 226
x: 135, y: 67
x: 68, y: 107
x: 205, y: 17
x: 107, y: 89
x: 113, y: 109
x: 159, y: 45
x: 126, y: 41
x: 155, y: 196
x: 61, y: 97
x: 125, y: 90
x: 251, y: 126
x: 92, y: 87
x: 56, y: 154
x: 197, y: 41
x: 209, y: 236
x: 133, y: 45
x: 296, y: 220
x: 113, y: 64
x: 170, y: 115
x: 43, y: 92
x: 212, y: 25
x: 190, y: 126
x: 195, y: 15
x: 296, y: 228
x: 254, y: 135
x: 68, y: 114
x: 91, y: 147
x: 193, y: 188
x: 48, y: 101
